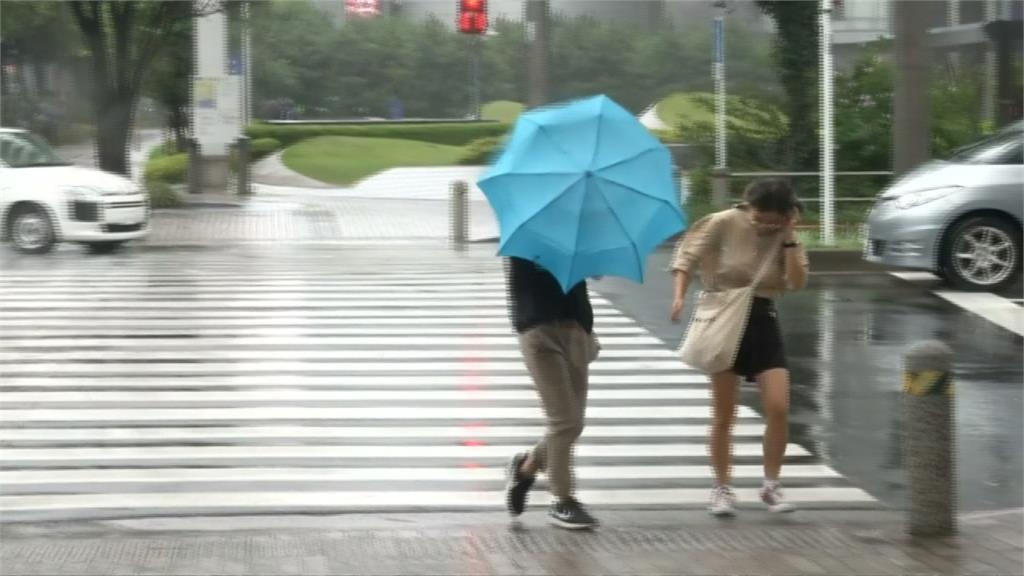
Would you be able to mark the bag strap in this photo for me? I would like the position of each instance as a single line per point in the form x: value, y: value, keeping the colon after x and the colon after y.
x: 776, y: 246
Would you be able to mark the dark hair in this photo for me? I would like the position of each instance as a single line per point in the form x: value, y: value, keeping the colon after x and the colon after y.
x: 772, y: 196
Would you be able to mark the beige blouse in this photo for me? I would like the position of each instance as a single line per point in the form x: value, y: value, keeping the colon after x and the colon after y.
x: 727, y: 252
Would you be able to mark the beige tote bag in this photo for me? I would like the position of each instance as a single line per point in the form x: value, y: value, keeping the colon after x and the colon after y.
x: 713, y: 338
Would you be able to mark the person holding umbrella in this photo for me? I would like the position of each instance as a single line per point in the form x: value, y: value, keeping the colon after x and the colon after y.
x: 746, y: 256
x: 580, y: 190
x: 557, y: 341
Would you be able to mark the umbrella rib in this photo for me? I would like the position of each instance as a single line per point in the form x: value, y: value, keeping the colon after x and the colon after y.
x: 641, y: 192
x: 628, y: 158
x: 625, y: 231
x: 539, y: 210
x: 633, y: 157
x: 554, y: 142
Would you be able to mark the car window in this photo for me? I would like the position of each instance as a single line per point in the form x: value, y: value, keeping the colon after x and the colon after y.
x: 24, y: 150
x: 1005, y: 148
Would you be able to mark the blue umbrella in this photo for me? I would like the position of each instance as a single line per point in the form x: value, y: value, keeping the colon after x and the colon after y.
x: 583, y: 189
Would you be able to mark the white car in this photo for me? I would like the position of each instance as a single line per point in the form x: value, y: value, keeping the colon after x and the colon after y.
x: 44, y: 200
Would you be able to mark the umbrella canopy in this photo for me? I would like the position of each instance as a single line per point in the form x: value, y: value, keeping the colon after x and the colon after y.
x: 583, y: 189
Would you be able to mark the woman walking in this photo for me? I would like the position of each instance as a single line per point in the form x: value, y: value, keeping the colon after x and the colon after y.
x: 753, y: 241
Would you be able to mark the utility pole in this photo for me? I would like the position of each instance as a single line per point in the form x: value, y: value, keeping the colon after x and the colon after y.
x: 718, y: 74
x: 910, y: 100
x: 828, y: 177
x: 538, y: 28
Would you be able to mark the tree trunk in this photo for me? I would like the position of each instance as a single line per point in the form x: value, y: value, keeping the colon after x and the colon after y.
x: 179, y: 125
x: 114, y: 113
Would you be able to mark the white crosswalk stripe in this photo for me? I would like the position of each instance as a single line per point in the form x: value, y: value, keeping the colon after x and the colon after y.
x: 199, y: 385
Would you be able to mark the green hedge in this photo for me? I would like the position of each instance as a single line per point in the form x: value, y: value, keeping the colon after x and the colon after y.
x: 263, y: 147
x: 162, y: 151
x: 162, y: 195
x: 481, y: 151
x: 449, y: 134
x: 171, y: 169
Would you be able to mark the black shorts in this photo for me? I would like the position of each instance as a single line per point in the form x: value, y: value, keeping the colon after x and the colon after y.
x: 761, y: 346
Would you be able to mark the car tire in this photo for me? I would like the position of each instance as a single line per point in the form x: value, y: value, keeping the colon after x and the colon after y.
x: 31, y: 230
x: 983, y: 254
x: 105, y: 247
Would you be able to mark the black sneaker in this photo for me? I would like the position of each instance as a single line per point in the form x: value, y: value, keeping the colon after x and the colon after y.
x: 518, y: 486
x: 570, y: 514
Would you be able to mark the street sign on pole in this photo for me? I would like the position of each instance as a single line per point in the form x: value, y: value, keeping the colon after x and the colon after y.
x: 828, y: 201
x: 718, y: 72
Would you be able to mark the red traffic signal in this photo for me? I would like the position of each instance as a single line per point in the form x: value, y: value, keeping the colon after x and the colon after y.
x: 473, y: 16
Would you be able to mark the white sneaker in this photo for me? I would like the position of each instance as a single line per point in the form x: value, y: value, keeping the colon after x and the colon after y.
x: 771, y: 494
x: 723, y: 501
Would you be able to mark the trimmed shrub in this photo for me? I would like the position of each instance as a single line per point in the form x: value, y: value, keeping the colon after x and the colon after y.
x: 162, y: 195
x: 263, y: 147
x: 481, y: 151
x: 448, y: 134
x: 171, y: 169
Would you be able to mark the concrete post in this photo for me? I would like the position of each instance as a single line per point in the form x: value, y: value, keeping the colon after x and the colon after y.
x: 929, y: 439
x: 719, y: 188
x: 459, y: 213
x: 910, y: 110
x: 195, y: 167
x: 244, y: 166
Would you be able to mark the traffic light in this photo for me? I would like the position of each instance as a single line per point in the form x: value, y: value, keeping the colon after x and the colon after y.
x: 473, y: 16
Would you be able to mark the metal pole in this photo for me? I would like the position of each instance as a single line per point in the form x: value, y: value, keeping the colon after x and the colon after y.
x: 476, y: 104
x: 953, y: 19
x: 718, y: 73
x: 988, y: 93
x: 720, y: 191
x: 244, y: 165
x: 537, y: 28
x: 928, y: 441
x: 246, y: 67
x: 828, y: 180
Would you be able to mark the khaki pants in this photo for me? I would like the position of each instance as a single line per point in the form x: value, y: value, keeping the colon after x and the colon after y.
x: 557, y: 356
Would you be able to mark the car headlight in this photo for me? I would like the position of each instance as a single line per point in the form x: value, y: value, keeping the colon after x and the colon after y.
x: 914, y: 199
x: 82, y: 193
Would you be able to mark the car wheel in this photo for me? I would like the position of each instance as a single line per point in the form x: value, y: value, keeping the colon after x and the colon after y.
x: 32, y: 230
x: 103, y: 247
x: 983, y: 254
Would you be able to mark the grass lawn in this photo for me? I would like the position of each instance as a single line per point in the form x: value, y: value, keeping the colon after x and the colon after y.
x: 694, y: 107
x: 502, y: 111
x: 345, y: 160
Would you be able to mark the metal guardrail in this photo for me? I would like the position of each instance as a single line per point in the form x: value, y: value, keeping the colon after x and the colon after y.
x: 720, y: 192
x: 785, y: 174
x: 720, y: 196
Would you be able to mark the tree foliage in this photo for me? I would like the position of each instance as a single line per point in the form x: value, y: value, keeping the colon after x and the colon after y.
x: 122, y: 39
x: 358, y: 68
x: 796, y: 56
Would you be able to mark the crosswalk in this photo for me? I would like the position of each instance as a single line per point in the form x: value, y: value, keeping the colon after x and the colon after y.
x: 211, y: 385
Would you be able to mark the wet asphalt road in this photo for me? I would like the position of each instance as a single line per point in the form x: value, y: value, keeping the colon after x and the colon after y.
x: 845, y: 337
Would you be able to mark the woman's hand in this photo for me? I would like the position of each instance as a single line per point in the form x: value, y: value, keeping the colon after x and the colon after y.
x: 677, y: 310
x: 789, y: 229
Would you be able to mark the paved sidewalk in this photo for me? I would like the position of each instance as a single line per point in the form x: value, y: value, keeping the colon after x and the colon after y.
x: 303, y: 218
x: 671, y: 542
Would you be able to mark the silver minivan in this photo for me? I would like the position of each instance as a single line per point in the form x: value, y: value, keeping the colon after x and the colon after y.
x: 959, y: 218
